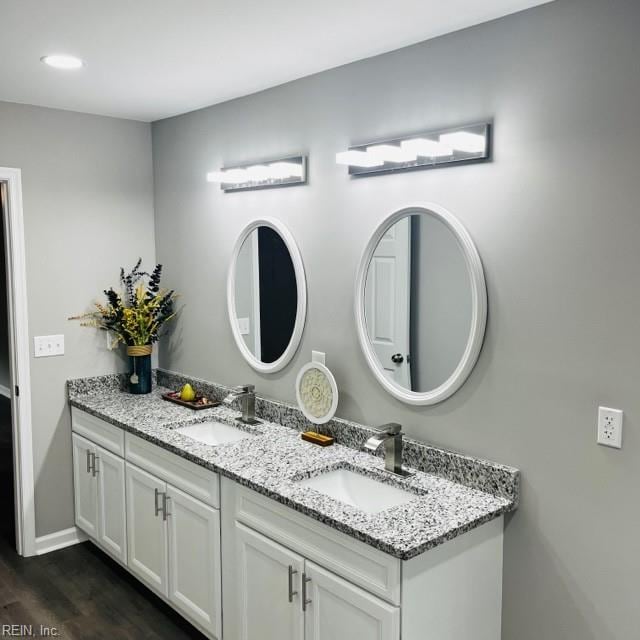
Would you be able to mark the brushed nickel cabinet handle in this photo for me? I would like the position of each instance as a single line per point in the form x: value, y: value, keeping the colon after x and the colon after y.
x: 88, y: 461
x: 157, y: 509
x: 292, y: 572
x: 165, y: 504
x: 305, y: 600
x: 95, y: 469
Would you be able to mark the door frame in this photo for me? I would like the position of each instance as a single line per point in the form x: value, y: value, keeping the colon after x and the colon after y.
x: 19, y: 361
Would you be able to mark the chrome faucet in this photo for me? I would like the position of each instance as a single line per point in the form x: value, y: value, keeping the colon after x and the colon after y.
x: 391, y: 436
x: 247, y: 395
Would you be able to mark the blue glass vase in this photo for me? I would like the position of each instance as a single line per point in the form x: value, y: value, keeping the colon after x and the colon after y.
x: 139, y: 380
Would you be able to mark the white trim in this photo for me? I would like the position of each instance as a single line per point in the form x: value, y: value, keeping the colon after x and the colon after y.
x: 5, y: 391
x: 478, y: 307
x: 19, y: 362
x: 301, y: 284
x: 59, y: 540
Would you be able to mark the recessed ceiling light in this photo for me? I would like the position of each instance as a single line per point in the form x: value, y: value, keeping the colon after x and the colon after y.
x: 62, y: 61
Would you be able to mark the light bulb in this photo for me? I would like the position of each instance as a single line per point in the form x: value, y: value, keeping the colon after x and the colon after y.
x: 355, y: 158
x: 426, y: 148
x: 391, y: 153
x: 282, y: 170
x: 465, y: 141
x: 59, y: 61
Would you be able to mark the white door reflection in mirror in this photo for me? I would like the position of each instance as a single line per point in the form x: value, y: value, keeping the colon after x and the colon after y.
x: 387, y: 301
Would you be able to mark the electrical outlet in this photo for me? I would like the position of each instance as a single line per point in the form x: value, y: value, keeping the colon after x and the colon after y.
x: 44, y: 346
x: 610, y: 427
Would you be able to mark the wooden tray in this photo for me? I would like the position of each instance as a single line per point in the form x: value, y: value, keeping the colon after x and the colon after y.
x: 192, y: 405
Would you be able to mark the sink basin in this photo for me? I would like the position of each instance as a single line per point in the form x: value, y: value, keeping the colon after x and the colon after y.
x: 213, y: 433
x: 358, y: 490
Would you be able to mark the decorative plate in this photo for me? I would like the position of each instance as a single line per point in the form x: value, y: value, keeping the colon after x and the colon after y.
x: 317, y: 392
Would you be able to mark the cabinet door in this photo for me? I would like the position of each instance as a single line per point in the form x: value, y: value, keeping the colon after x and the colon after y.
x: 269, y: 605
x: 339, y: 610
x: 111, y: 504
x: 147, y: 547
x: 84, y: 486
x: 194, y: 559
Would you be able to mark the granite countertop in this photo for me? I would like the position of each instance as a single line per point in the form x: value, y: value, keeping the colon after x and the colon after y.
x: 273, y: 458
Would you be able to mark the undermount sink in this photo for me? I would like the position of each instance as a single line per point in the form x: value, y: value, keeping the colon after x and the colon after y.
x: 358, y: 490
x: 213, y: 433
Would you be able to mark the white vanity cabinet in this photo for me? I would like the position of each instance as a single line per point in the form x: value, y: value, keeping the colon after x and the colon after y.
x: 147, y: 529
x: 287, y: 576
x: 338, y: 609
x: 174, y: 546
x: 280, y: 576
x: 283, y: 596
x: 205, y: 545
x: 85, y: 486
x: 153, y: 511
x: 99, y: 497
x: 266, y: 581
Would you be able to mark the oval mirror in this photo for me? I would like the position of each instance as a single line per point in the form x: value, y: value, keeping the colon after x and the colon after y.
x: 421, y: 304
x: 266, y: 295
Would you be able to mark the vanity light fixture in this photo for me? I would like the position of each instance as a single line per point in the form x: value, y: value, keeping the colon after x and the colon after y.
x: 419, y: 151
x: 60, y: 61
x: 274, y: 173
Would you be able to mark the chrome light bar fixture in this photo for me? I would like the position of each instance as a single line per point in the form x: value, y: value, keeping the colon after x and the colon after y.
x: 419, y: 151
x: 274, y: 173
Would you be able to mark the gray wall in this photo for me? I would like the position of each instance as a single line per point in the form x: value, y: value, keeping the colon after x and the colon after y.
x: 440, y: 303
x: 88, y: 209
x: 555, y: 218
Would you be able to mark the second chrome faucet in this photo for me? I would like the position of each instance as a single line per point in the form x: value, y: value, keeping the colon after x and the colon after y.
x: 391, y: 436
x: 247, y: 395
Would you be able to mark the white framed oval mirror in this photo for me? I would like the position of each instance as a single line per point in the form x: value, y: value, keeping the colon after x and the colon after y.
x: 421, y: 304
x: 266, y: 295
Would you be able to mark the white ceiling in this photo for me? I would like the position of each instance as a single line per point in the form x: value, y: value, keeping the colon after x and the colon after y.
x: 149, y: 59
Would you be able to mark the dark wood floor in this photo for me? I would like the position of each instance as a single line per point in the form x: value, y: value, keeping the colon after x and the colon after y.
x: 78, y: 590
x: 85, y: 595
x: 7, y: 524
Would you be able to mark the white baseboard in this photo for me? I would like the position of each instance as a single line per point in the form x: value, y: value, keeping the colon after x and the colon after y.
x: 4, y: 391
x: 59, y: 540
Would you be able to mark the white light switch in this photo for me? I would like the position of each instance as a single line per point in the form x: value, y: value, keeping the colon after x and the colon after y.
x: 243, y: 326
x: 44, y: 346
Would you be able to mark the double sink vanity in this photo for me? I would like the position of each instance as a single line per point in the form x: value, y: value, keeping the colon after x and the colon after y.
x: 253, y: 533
x: 250, y: 532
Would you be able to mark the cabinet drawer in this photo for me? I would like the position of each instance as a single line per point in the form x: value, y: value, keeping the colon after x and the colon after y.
x: 191, y: 478
x: 98, y: 431
x: 356, y: 561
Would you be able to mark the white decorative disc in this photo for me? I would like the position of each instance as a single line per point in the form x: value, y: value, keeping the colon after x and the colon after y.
x: 317, y: 392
